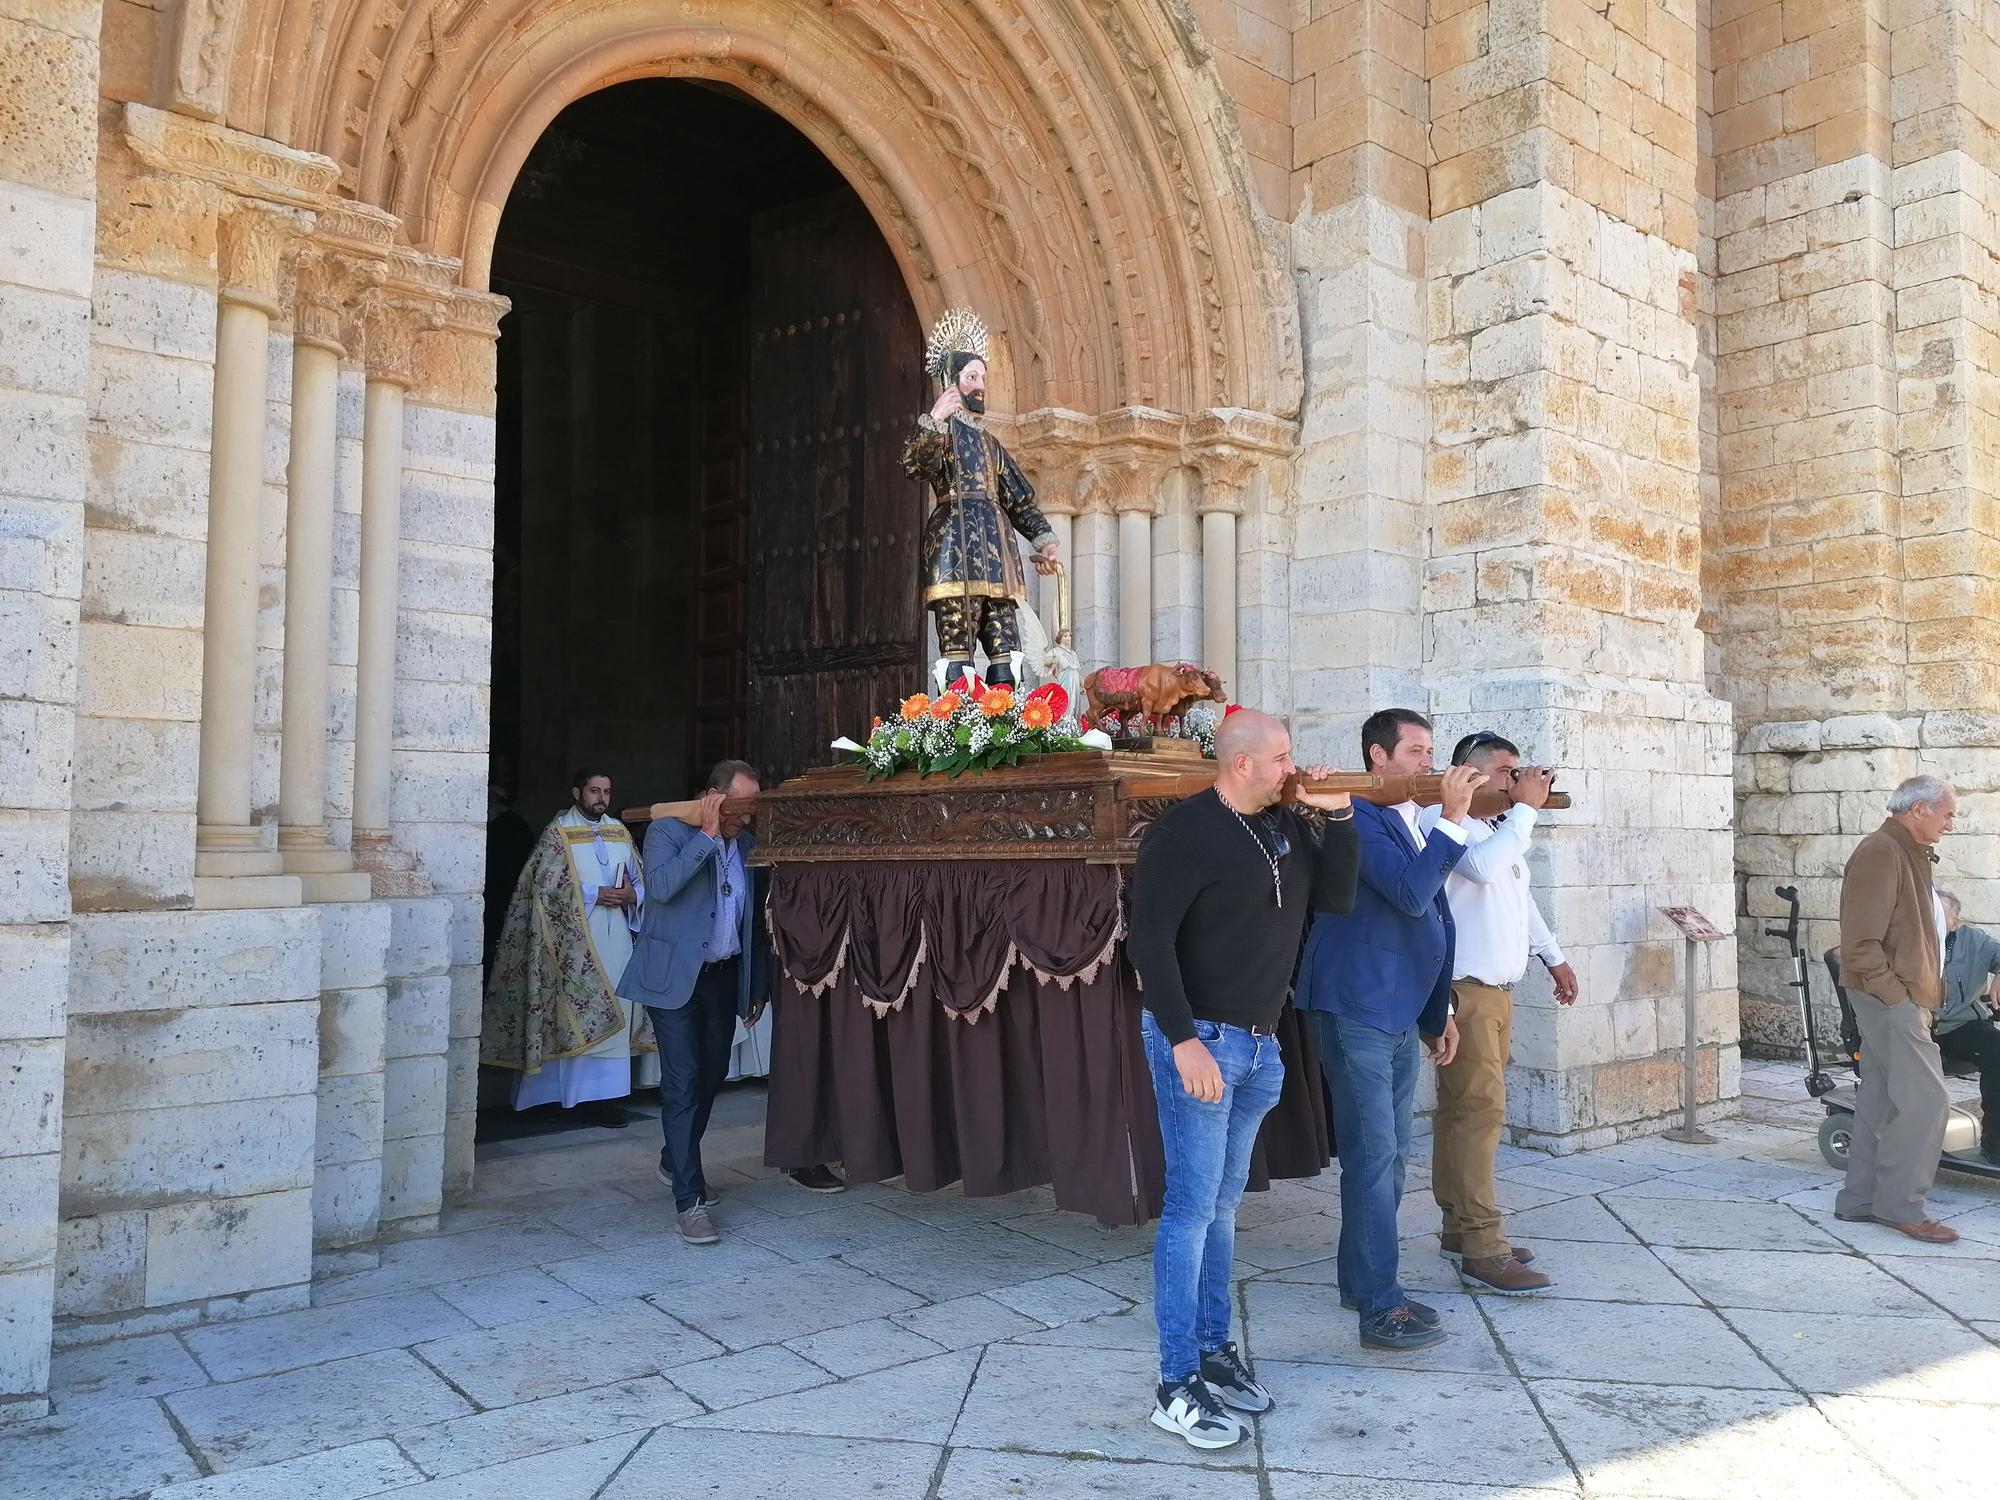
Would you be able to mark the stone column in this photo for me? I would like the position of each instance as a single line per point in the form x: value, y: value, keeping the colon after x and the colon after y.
x: 1564, y: 527
x: 1134, y: 509
x: 1225, y: 473
x: 1047, y: 445
x: 235, y: 865
x: 391, y: 326
x: 1094, y: 568
x: 326, y: 284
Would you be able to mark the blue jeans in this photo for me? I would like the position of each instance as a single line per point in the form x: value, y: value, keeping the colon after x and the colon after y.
x: 1373, y: 1076
x: 1208, y: 1161
x: 694, y: 1041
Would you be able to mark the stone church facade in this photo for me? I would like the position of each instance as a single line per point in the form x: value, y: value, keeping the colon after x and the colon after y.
x: 1606, y: 372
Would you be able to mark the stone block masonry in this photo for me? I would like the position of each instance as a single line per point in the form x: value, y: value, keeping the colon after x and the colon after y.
x: 48, y: 91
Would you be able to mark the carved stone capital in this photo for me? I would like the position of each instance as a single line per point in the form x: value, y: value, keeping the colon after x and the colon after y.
x: 331, y: 287
x: 251, y: 243
x: 177, y: 145
x: 1225, y: 471
x: 456, y: 364
x: 410, y: 302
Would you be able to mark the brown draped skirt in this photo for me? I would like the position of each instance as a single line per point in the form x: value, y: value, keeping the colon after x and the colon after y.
x: 978, y: 1022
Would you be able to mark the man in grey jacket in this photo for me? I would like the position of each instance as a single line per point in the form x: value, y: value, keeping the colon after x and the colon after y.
x: 701, y: 962
x: 1966, y: 1031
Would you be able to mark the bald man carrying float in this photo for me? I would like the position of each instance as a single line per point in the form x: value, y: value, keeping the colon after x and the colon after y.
x: 1219, y: 898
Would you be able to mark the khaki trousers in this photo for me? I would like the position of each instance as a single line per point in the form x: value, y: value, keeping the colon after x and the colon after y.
x: 1899, y: 1115
x: 1471, y: 1112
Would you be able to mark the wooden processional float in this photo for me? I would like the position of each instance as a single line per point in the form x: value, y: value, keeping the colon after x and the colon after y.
x: 1090, y: 805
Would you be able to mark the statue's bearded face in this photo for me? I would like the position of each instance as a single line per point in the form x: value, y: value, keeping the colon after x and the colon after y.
x: 972, y: 385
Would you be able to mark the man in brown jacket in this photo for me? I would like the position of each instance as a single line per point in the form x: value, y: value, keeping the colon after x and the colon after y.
x: 1892, y: 964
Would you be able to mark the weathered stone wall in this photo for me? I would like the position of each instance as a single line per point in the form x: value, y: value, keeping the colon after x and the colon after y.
x: 1562, y: 581
x: 1855, y: 301
x: 48, y: 89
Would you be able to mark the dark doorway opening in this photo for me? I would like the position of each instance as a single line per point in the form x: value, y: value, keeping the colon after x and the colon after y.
x: 704, y: 546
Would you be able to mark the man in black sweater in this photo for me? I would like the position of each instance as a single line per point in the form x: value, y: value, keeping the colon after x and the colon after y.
x: 1219, y: 897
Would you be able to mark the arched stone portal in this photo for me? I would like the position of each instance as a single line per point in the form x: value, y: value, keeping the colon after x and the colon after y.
x: 1072, y: 170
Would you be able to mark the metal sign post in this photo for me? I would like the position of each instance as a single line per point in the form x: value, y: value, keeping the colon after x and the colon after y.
x: 1696, y: 929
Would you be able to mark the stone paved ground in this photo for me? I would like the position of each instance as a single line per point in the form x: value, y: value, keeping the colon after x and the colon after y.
x: 1714, y: 1333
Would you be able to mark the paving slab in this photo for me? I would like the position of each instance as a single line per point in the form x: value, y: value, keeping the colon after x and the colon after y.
x: 1306, y: 1324
x: 745, y: 1313
x: 512, y: 1297
x: 99, y: 1453
x: 409, y: 1264
x: 1936, y: 1359
x: 913, y: 1403
x: 684, y: 1461
x: 350, y: 1473
x: 965, y: 1321
x: 1793, y: 1281
x: 974, y: 1474
x: 956, y: 1264
x: 1082, y: 1235
x: 949, y: 1209
x: 1583, y: 1219
x: 664, y: 1265
x: 1407, y: 1424
x: 153, y: 1365
x: 1726, y: 1224
x: 861, y: 1347
x: 1096, y: 1402
x: 1420, y: 1268
x: 576, y: 1473
x: 1289, y: 1486
x: 737, y: 1379
x: 550, y: 1356
x: 1968, y: 1288
x: 1933, y: 1449
x: 1585, y: 1270
x: 531, y: 1427
x: 1289, y: 1242
x: 1135, y: 1330
x: 844, y: 1228
x: 1623, y: 1341
x: 1689, y: 1443
x: 1059, y: 1299
x: 272, y: 1417
x: 291, y: 1341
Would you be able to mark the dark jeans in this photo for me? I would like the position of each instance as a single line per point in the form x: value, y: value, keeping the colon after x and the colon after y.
x: 1979, y: 1042
x: 1372, y: 1075
x: 694, y: 1059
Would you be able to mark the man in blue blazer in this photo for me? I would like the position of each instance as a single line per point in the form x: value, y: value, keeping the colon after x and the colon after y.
x: 700, y: 962
x: 1373, y: 983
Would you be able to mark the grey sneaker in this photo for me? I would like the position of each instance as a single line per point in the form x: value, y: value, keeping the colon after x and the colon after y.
x: 1191, y: 1409
x: 1224, y: 1372
x: 696, y: 1227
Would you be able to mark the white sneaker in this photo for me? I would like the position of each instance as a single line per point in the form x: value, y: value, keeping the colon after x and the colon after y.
x: 1191, y: 1409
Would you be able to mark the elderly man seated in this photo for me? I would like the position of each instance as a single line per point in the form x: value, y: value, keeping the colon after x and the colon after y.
x: 1966, y: 1029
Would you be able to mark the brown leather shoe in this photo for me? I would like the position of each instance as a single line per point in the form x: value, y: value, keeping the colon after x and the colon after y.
x: 1448, y: 1247
x: 1503, y: 1273
x: 1928, y: 1230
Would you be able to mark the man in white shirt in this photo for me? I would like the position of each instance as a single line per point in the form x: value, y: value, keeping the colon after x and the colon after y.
x: 1499, y: 928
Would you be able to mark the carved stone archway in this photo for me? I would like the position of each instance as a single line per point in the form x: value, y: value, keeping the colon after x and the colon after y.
x: 1071, y: 168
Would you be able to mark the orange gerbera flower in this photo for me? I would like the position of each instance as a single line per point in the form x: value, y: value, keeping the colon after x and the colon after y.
x: 945, y: 705
x: 915, y: 706
x: 996, y: 701
x: 1035, y: 714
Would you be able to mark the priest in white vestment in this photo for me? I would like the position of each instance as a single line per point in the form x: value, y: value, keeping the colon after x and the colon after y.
x: 552, y: 1011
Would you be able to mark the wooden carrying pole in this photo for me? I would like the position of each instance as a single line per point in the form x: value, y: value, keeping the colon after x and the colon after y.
x: 1384, y: 791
